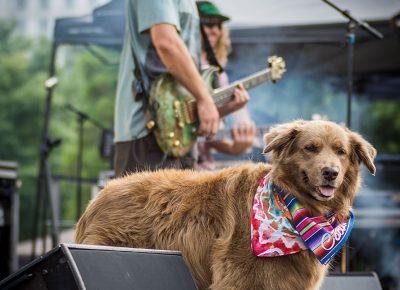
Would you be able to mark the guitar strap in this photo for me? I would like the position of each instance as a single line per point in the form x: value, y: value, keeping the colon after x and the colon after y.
x: 209, y: 50
x: 138, y: 87
x: 141, y: 94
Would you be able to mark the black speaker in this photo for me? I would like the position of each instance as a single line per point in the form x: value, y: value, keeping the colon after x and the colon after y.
x: 352, y: 280
x: 69, y: 267
x: 9, y: 212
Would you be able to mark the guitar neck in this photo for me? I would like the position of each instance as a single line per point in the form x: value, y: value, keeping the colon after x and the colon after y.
x: 227, y: 133
x: 223, y: 95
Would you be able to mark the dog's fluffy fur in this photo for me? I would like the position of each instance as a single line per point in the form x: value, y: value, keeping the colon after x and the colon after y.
x: 206, y: 215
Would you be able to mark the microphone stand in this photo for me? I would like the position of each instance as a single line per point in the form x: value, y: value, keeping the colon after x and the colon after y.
x: 82, y: 117
x: 45, y: 195
x: 352, y: 24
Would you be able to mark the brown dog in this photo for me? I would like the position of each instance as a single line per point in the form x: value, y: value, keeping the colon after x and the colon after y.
x: 206, y: 215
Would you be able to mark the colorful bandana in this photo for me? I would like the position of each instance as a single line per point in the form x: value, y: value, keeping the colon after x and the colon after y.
x: 272, y: 233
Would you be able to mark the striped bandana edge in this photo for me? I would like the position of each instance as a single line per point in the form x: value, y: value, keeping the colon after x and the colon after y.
x: 321, y: 236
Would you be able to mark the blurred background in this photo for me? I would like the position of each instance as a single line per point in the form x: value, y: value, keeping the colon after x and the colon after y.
x: 56, y: 136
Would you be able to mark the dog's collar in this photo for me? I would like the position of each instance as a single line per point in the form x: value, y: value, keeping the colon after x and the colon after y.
x: 280, y: 225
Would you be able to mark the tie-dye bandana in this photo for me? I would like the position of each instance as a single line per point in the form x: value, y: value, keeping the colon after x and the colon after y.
x: 281, y: 226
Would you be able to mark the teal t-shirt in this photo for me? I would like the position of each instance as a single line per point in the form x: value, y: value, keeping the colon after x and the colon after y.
x: 141, y: 15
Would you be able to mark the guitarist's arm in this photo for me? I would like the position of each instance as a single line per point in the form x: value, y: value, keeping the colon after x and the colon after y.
x: 177, y: 59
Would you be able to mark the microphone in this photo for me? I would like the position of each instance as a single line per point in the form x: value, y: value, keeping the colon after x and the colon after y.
x: 51, y: 82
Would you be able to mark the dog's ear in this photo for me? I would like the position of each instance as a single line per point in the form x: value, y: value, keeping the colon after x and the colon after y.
x: 362, y: 152
x: 281, y: 136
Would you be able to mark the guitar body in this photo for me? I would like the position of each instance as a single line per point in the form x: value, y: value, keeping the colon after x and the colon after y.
x: 172, y: 113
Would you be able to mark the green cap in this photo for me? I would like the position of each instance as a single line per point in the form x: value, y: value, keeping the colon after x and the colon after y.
x: 208, y: 9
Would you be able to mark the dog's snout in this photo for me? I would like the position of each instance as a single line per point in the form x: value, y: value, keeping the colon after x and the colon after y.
x: 330, y: 173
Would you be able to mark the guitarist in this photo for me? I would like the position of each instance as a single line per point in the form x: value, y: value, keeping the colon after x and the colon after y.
x: 244, y: 131
x: 160, y: 36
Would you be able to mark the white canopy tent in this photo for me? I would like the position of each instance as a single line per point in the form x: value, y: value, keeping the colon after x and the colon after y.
x: 304, y: 12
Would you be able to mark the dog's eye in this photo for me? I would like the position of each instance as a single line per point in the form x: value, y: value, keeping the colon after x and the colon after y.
x: 311, y: 148
x: 341, y: 151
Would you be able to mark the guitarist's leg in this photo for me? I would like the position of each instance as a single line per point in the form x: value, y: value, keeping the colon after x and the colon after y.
x: 145, y: 154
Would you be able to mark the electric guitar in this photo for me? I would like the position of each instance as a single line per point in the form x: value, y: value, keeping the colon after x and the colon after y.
x: 172, y: 110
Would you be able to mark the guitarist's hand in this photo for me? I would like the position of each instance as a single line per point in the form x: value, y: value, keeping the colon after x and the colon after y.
x: 240, y: 99
x: 243, y: 135
x: 208, y: 116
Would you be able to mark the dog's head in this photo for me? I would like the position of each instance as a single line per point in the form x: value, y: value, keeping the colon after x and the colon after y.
x: 319, y: 162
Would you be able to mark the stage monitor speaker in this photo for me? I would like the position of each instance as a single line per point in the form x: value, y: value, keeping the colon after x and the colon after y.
x: 352, y: 280
x: 9, y: 213
x: 69, y: 267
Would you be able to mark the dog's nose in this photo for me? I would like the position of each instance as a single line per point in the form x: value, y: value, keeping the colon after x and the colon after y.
x: 330, y: 173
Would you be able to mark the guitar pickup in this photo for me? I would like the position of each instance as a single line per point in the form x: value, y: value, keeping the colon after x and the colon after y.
x: 190, y: 112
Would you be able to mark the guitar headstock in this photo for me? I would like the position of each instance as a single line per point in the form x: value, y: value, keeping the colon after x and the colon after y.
x: 277, y: 66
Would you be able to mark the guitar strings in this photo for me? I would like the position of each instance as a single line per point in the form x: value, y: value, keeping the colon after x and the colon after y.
x: 252, y: 80
x: 221, y: 97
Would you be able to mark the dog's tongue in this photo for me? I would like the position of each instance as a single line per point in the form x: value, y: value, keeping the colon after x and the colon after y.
x: 327, y: 190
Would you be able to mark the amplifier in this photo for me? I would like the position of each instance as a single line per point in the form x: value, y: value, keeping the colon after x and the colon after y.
x: 69, y: 267
x: 352, y: 280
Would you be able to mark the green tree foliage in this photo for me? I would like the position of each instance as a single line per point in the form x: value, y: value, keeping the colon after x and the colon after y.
x: 22, y: 71
x: 21, y: 93
x: 85, y: 82
x: 384, y: 126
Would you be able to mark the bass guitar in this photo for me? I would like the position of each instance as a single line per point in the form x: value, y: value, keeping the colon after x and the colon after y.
x: 226, y: 133
x: 172, y: 111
